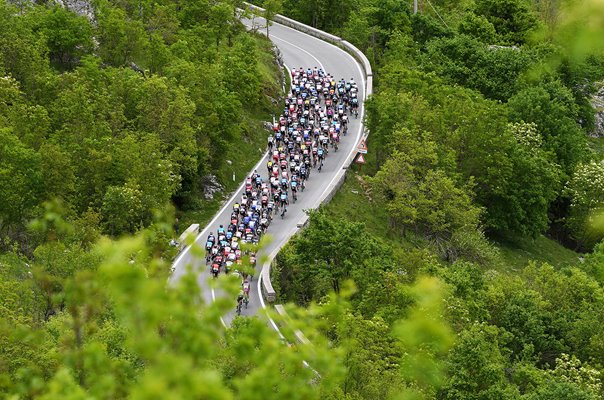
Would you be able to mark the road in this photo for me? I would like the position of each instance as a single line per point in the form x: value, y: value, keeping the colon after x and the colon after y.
x: 298, y: 50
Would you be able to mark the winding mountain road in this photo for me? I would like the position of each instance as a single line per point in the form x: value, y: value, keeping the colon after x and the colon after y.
x: 298, y: 49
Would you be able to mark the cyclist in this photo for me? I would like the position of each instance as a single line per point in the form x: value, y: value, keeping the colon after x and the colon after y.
x: 294, y: 187
x: 215, y: 269
x: 246, y: 289
x: 320, y: 156
x: 240, y: 298
x: 283, y: 199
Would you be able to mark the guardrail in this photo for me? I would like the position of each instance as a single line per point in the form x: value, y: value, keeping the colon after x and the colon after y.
x: 338, y: 41
x: 267, y: 288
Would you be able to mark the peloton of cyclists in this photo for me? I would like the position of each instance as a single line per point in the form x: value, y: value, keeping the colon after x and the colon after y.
x: 314, y: 118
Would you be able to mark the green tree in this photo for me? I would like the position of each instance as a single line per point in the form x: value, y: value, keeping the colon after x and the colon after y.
x: 123, y: 208
x: 120, y: 41
x: 560, y: 390
x: 585, y: 191
x: 478, y: 27
x: 513, y: 19
x: 271, y: 8
x: 594, y: 263
x: 526, y: 320
x: 571, y: 369
x: 58, y: 172
x: 520, y: 202
x: 22, y: 54
x: 552, y: 107
x: 476, y: 366
x: 167, y: 111
x: 68, y: 35
x: 373, y: 359
x: 240, y: 72
x: 493, y: 71
x: 20, y: 182
x: 419, y: 195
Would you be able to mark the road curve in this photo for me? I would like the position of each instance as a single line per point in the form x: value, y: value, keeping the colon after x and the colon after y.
x: 297, y: 49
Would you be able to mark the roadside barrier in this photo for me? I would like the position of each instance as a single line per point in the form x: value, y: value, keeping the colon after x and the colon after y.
x: 267, y: 288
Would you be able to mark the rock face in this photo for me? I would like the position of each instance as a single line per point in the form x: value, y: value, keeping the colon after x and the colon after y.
x: 597, y: 101
x: 80, y: 7
x: 211, y: 186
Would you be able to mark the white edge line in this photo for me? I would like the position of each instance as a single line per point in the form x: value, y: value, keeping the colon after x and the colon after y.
x: 300, y: 48
x: 361, y: 125
x: 358, y: 65
x: 213, y: 300
x: 236, y: 192
x: 271, y: 257
x: 226, y: 204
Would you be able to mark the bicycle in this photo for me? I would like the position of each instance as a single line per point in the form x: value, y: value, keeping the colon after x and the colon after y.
x: 283, y: 212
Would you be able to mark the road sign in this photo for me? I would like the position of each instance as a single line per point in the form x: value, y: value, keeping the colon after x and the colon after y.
x: 362, y: 147
x: 360, y: 159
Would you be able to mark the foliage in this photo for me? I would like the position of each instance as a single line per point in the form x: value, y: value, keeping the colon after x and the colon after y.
x: 594, y: 263
x: 125, y: 123
x: 117, y: 331
x: 585, y: 191
x: 552, y: 108
x: 271, y: 8
x: 476, y: 366
x: 570, y: 369
x: 20, y: 180
x: 470, y: 143
x: 420, y: 196
x: 464, y: 60
x: 513, y: 20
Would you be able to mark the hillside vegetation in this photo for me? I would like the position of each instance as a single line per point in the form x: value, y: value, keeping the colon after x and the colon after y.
x: 448, y: 268
x: 125, y: 110
x: 480, y: 173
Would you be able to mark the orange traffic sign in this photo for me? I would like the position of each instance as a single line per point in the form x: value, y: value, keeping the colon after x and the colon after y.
x: 360, y: 159
x: 362, y: 147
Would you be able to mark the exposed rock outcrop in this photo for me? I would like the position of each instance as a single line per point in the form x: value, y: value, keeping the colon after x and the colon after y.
x: 597, y: 101
x: 211, y: 186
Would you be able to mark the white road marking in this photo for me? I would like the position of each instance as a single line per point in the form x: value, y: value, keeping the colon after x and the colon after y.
x: 301, y: 49
x: 238, y: 190
x: 213, y: 221
x: 358, y: 65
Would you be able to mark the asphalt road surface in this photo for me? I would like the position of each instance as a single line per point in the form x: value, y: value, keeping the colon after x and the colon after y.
x: 298, y: 50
